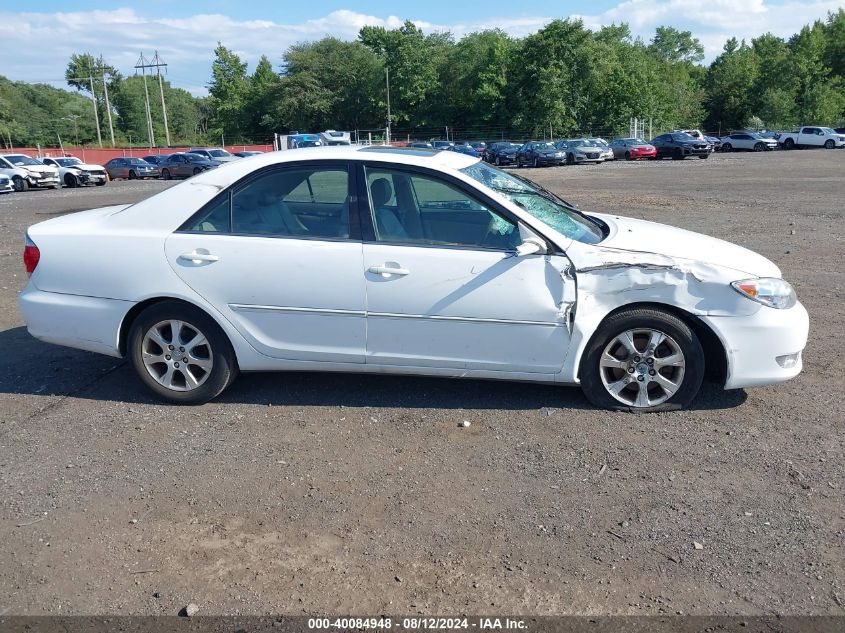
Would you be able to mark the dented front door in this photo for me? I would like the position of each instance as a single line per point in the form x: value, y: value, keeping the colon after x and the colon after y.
x: 463, y: 308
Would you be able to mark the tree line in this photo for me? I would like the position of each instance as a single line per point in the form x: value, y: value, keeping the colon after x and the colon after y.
x: 562, y: 80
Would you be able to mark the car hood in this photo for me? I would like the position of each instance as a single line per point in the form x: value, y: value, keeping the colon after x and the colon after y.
x: 41, y: 169
x: 85, y: 166
x: 641, y: 236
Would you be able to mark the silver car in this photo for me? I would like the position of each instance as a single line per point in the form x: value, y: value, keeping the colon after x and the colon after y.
x: 579, y: 150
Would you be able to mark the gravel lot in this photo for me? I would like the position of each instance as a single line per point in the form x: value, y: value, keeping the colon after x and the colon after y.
x: 360, y: 494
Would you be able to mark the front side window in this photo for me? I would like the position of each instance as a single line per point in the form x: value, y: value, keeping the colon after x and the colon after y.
x: 414, y: 208
x: 538, y: 202
x: 308, y: 202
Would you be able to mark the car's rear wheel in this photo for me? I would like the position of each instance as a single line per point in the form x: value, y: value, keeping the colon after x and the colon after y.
x: 180, y: 353
x: 726, y: 147
x: 642, y: 360
x: 20, y: 184
x: 704, y: 156
x: 101, y: 183
x: 829, y: 144
x: 132, y: 174
x: 197, y: 170
x: 165, y: 173
x: 789, y: 144
x: 570, y: 159
x: 627, y: 155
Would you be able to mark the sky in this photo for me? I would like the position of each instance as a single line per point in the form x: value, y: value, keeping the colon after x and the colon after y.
x: 40, y: 37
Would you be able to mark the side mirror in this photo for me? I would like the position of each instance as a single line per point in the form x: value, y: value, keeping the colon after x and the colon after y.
x: 531, y: 246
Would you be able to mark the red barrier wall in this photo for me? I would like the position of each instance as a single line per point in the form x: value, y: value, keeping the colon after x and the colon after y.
x: 98, y: 156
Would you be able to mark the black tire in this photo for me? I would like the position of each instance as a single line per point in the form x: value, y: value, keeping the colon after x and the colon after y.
x: 101, y: 183
x: 197, y: 170
x: 570, y: 159
x: 71, y: 181
x: 224, y: 368
x: 498, y: 161
x: 19, y: 183
x: 727, y: 147
x: 678, y: 154
x: 829, y: 144
x: 627, y: 155
x: 165, y: 174
x: 704, y: 156
x: 789, y: 144
x: 669, y: 324
x: 132, y: 174
x: 759, y: 147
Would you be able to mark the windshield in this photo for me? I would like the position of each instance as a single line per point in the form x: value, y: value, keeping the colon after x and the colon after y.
x: 828, y: 130
x: 67, y: 162
x: 219, y: 152
x: 545, y: 145
x: 683, y: 136
x: 22, y: 159
x: 538, y: 202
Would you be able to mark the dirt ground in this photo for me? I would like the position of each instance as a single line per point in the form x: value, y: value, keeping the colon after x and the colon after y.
x: 324, y: 494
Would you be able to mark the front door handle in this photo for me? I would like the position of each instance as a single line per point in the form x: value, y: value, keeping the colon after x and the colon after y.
x: 389, y: 268
x: 199, y: 256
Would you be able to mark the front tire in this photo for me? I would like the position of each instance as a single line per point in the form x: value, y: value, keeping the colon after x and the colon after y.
x: 165, y: 174
x: 71, y: 181
x: 759, y: 147
x: 20, y: 184
x: 642, y: 360
x: 180, y: 353
x: 829, y: 144
x: 536, y: 162
x: 627, y: 155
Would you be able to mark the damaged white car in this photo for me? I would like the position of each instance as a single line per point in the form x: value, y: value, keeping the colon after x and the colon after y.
x: 386, y: 260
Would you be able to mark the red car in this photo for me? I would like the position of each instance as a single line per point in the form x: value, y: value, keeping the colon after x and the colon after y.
x: 632, y: 148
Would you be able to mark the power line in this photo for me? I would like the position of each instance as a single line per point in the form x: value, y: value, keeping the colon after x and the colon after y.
x: 158, y: 63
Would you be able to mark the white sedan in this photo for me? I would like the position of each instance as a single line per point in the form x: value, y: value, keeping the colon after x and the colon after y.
x: 748, y: 140
x: 405, y: 261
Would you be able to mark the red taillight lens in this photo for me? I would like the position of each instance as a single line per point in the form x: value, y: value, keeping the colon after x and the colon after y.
x: 31, y: 255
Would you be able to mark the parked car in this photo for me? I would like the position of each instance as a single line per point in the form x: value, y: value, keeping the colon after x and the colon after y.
x: 131, y: 169
x: 185, y: 165
x: 501, y: 153
x: 463, y: 148
x: 6, y: 185
x: 632, y: 148
x: 747, y: 140
x: 579, y: 150
x: 214, y: 153
x: 812, y: 137
x: 420, y: 145
x: 155, y: 159
x: 512, y: 283
x: 604, y: 148
x: 679, y: 145
x: 478, y: 146
x: 539, y: 154
x: 26, y: 172
x: 74, y: 173
x: 441, y: 145
x: 247, y: 153
x: 715, y: 143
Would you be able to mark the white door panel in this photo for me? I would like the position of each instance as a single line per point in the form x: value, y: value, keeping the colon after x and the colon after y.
x: 474, y: 309
x: 297, y: 299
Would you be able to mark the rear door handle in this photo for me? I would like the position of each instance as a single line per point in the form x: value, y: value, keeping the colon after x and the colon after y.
x: 385, y: 270
x: 199, y: 257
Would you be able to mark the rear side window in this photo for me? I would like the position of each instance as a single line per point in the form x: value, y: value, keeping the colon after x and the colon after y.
x: 308, y: 202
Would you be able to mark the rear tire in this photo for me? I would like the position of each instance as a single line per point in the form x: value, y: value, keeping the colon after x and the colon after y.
x: 627, y: 155
x: 789, y: 144
x: 197, y: 170
x: 132, y: 174
x: 211, y: 366
x: 704, y: 156
x: 679, y: 341
x: 678, y: 155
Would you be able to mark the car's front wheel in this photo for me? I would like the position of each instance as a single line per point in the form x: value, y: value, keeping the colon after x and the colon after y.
x: 642, y: 360
x: 180, y: 353
x: 71, y: 181
x: 829, y: 144
x: 20, y: 184
x: 165, y: 173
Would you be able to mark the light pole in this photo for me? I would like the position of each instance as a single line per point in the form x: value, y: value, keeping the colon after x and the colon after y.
x: 74, y: 117
x: 387, y: 83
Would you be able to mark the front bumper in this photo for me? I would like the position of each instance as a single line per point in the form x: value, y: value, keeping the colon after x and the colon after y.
x: 88, y: 323
x: 753, y: 344
x: 92, y: 178
x: 642, y: 153
x: 7, y: 188
x: 44, y: 181
x: 696, y: 151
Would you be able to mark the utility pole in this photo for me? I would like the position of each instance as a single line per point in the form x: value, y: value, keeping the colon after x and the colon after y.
x: 387, y: 82
x: 94, y: 101
x: 108, y: 105
x: 142, y: 64
x: 159, y: 64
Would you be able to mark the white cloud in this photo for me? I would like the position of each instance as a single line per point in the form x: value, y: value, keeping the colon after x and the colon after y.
x: 46, y: 41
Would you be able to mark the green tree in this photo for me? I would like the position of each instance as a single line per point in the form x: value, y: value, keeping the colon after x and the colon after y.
x: 729, y: 83
x: 228, y: 91
x: 672, y: 45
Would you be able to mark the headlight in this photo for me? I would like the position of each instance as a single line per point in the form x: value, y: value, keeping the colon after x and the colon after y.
x: 770, y: 291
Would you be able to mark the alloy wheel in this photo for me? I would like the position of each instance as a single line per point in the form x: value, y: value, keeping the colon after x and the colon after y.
x: 642, y: 367
x: 177, y: 355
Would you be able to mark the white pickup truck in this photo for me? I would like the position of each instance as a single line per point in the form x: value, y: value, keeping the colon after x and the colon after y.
x: 812, y: 137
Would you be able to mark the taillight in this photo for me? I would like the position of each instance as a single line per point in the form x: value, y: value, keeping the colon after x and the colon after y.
x: 31, y: 254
